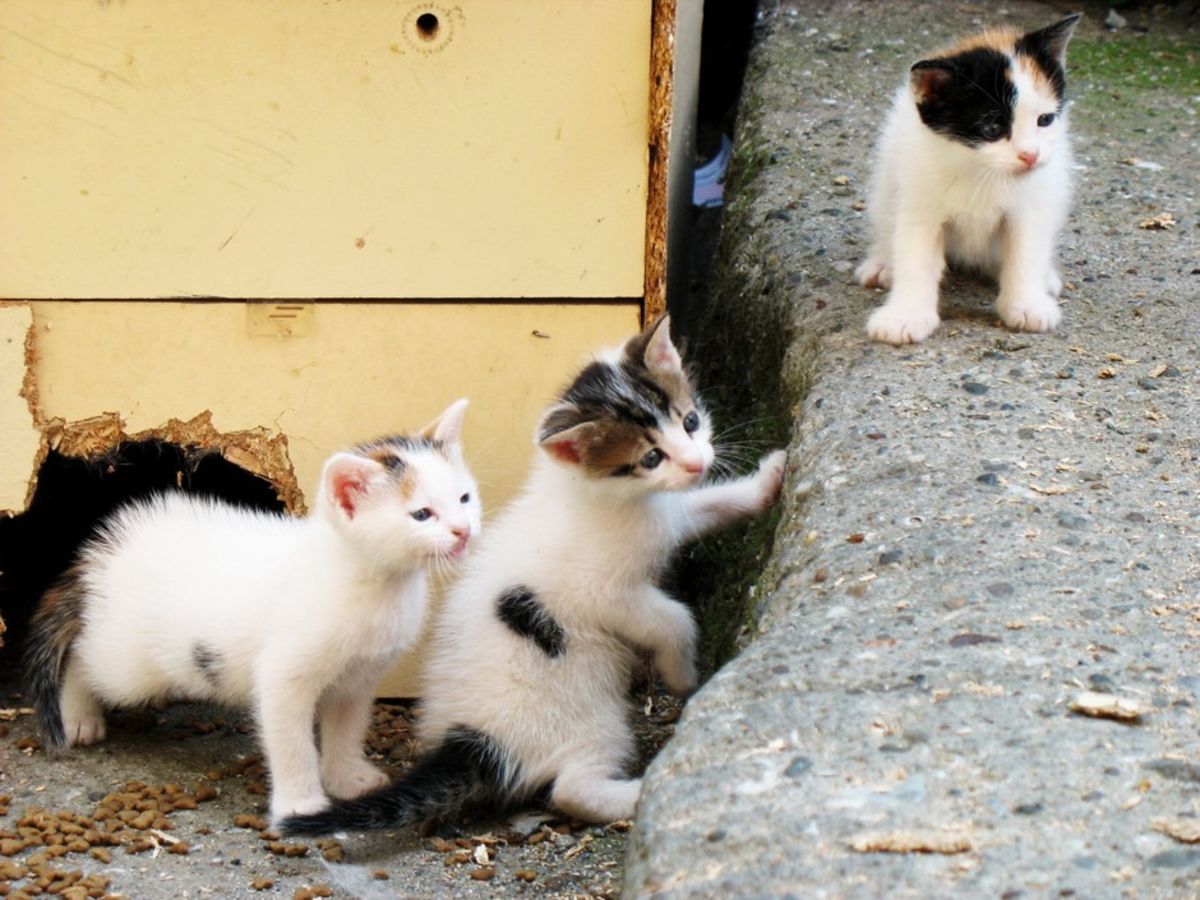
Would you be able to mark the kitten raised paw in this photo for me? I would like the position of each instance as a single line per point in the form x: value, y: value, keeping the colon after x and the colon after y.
x: 770, y: 477
x: 874, y: 273
x: 350, y: 781
x: 891, y: 325
x: 1037, y: 317
x: 679, y: 675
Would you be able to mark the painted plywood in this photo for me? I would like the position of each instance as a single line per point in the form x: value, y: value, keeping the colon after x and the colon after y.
x: 303, y: 148
x: 358, y: 370
x: 20, y: 442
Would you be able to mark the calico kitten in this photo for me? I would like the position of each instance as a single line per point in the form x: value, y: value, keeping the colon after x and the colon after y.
x: 973, y: 167
x: 526, y: 684
x: 179, y: 597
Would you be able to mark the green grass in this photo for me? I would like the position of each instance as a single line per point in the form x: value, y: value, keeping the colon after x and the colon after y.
x: 1137, y: 62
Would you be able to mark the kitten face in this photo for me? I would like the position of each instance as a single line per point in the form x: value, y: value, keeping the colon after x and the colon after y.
x: 405, y: 500
x: 999, y: 93
x: 632, y: 418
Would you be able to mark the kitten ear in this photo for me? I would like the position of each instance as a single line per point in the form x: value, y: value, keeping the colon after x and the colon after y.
x: 345, y: 480
x: 448, y: 426
x: 1054, y: 38
x: 568, y: 445
x: 930, y: 77
x: 660, y: 354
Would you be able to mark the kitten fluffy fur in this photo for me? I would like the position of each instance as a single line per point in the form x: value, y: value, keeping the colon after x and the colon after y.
x: 974, y: 167
x: 180, y: 597
x: 526, y: 685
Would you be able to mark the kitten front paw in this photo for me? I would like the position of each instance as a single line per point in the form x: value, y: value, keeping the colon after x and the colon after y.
x: 1037, y: 314
x: 898, y: 324
x: 874, y: 273
x: 770, y: 478
x: 354, y: 779
x: 679, y: 675
x: 1054, y: 283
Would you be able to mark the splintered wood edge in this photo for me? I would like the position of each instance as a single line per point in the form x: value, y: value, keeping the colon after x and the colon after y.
x: 945, y: 842
x: 662, y: 90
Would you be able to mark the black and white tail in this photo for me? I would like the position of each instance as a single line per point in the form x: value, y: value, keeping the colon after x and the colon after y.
x: 466, y: 768
x: 51, y: 631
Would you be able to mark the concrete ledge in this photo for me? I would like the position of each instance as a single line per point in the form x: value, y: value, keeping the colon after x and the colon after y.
x: 976, y: 530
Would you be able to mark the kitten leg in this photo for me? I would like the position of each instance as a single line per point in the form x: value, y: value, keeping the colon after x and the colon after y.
x: 345, y: 716
x: 82, y: 715
x: 1054, y: 283
x: 909, y: 314
x: 1027, y: 276
x: 591, y: 794
x: 706, y: 508
x: 285, y: 720
x: 651, y: 619
x: 874, y: 273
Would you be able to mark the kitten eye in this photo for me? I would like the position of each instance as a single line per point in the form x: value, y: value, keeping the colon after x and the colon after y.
x: 1045, y: 119
x: 691, y: 422
x: 422, y: 514
x: 653, y: 458
x: 991, y: 131
x: 465, y: 498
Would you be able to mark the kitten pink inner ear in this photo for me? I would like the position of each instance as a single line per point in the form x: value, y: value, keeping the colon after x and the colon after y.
x: 347, y: 478
x: 447, y: 427
x: 1056, y: 37
x: 929, y: 78
x: 660, y: 352
x: 567, y: 446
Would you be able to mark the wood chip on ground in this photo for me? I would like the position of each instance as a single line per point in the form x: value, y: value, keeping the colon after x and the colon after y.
x: 913, y: 841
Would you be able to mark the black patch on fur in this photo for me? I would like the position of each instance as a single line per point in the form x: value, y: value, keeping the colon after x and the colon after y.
x: 377, y: 449
x: 51, y: 631
x: 1046, y: 48
x: 968, y: 92
x: 466, y: 768
x: 605, y: 392
x: 520, y: 610
x: 207, y: 660
x: 624, y: 471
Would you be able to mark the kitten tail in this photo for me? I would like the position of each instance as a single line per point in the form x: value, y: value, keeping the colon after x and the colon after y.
x: 51, y: 631
x: 465, y: 769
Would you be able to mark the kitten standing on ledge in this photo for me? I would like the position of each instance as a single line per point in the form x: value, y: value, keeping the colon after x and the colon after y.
x: 180, y: 597
x: 973, y: 167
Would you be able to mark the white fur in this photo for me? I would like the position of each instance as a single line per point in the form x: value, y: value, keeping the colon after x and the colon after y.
x: 934, y: 199
x: 591, y: 550
x: 303, y: 616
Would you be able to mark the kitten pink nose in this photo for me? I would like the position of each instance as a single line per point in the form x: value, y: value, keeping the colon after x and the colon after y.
x: 1028, y: 157
x: 693, y: 466
x: 462, y: 532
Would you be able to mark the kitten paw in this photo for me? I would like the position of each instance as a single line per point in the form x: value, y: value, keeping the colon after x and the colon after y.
x: 874, y: 273
x: 1037, y: 316
x: 284, y: 808
x: 680, y: 678
x: 1054, y: 283
x: 895, y: 325
x: 84, y: 730
x: 770, y: 478
x: 354, y: 779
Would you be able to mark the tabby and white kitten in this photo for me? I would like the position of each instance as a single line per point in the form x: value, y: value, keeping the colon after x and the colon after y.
x: 974, y: 167
x: 178, y: 597
x: 526, y: 686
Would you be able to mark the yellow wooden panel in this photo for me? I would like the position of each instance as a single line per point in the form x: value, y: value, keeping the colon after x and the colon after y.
x: 19, y: 445
x: 363, y: 369
x: 303, y: 148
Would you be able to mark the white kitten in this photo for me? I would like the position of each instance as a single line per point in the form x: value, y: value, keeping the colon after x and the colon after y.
x: 973, y: 167
x: 186, y: 598
x: 526, y: 686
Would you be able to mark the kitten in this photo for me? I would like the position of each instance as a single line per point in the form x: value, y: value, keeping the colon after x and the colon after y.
x: 526, y: 684
x: 974, y: 167
x: 179, y: 597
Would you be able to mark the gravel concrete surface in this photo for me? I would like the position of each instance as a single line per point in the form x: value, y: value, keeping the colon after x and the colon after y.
x: 977, y: 529
x: 194, y: 776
